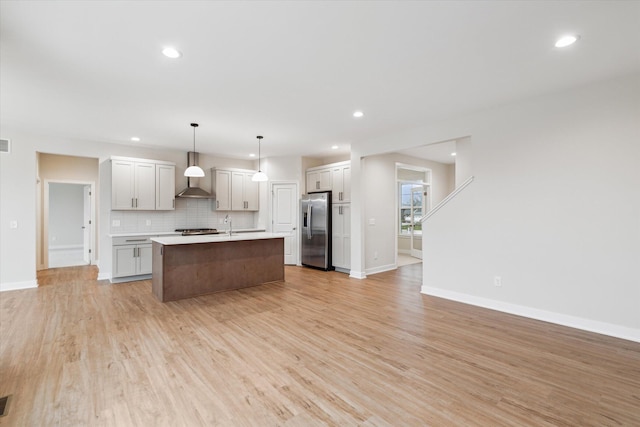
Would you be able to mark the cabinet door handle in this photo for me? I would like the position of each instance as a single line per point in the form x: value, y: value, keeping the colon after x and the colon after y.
x: 132, y: 205
x: 317, y: 185
x: 173, y: 203
x: 217, y: 204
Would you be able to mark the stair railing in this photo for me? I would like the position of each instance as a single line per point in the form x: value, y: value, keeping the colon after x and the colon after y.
x: 446, y: 200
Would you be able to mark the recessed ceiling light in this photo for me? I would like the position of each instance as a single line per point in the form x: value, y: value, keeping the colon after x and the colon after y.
x: 252, y: 155
x: 358, y: 114
x: 135, y: 139
x: 453, y: 154
x: 171, y: 52
x: 334, y: 147
x: 565, y: 41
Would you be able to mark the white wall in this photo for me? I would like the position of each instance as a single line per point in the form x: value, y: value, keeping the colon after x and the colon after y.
x: 554, y: 209
x: 464, y: 154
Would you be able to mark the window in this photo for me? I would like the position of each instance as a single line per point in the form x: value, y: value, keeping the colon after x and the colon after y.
x: 411, y: 207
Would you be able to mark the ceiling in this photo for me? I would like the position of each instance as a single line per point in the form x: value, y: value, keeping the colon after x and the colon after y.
x: 292, y: 71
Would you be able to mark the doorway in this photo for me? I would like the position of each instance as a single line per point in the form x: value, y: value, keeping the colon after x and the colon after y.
x: 413, y: 202
x: 284, y: 217
x: 69, y: 219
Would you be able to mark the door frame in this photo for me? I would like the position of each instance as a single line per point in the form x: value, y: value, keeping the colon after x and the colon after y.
x: 45, y: 219
x: 296, y: 216
x: 428, y: 173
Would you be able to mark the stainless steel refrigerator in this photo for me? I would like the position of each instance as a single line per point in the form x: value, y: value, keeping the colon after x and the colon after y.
x: 316, y: 230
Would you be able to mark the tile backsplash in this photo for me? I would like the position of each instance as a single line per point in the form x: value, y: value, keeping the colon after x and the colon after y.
x: 189, y: 213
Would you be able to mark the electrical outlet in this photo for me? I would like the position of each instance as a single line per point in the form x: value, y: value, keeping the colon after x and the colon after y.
x: 372, y: 221
x: 148, y: 222
x: 497, y: 281
x: 13, y: 224
x: 375, y: 254
x: 115, y: 223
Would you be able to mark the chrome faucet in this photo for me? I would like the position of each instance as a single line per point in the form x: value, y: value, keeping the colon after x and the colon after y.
x: 227, y: 220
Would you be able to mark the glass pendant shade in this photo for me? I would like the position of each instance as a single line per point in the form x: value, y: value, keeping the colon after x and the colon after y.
x: 194, y: 172
x: 259, y: 177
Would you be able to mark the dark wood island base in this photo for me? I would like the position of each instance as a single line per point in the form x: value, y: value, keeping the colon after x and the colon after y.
x: 188, y: 270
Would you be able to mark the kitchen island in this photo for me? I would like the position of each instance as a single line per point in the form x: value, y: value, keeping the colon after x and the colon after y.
x: 188, y: 266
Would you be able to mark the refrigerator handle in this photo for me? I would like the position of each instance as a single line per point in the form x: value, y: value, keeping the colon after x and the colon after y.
x: 309, y: 221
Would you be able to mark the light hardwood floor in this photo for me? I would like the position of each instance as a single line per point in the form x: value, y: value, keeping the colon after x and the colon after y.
x: 317, y: 349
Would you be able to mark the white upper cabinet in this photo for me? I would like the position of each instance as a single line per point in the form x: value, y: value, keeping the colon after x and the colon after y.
x: 235, y: 191
x: 318, y: 180
x: 335, y: 177
x: 221, y: 185
x: 136, y: 184
x: 165, y: 187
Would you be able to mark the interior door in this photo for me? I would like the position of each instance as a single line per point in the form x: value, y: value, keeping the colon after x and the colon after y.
x: 86, y: 224
x: 285, y: 218
x: 418, y: 194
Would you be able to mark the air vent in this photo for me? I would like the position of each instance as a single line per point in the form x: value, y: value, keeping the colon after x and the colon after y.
x: 5, y: 146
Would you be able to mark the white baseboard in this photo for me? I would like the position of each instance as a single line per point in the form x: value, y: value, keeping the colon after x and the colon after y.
x: 598, y: 327
x: 357, y: 274
x: 103, y: 276
x: 14, y: 286
x: 381, y: 269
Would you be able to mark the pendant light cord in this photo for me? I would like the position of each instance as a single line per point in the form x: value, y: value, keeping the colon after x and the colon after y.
x: 259, y: 154
x: 194, y: 125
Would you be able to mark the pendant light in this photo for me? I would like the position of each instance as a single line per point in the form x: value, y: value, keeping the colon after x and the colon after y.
x: 259, y: 176
x: 194, y: 171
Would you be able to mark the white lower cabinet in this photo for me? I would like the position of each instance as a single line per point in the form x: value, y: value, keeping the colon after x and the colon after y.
x: 131, y: 256
x: 341, y: 236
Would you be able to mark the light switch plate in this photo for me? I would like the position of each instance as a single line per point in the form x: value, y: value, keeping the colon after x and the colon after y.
x: 13, y: 224
x: 372, y: 221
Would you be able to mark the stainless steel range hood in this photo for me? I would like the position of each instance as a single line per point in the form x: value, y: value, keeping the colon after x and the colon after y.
x: 193, y: 191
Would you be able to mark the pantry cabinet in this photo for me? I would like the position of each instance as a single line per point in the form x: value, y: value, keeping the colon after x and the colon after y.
x: 341, y: 236
x: 341, y: 183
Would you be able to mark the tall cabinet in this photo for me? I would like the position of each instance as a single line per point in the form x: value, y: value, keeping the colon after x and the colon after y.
x: 336, y: 177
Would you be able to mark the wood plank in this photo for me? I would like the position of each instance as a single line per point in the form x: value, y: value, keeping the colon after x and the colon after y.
x: 318, y: 348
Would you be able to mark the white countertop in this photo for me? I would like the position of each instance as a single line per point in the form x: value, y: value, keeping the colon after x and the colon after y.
x: 212, y: 238
x: 148, y: 233
x: 175, y: 233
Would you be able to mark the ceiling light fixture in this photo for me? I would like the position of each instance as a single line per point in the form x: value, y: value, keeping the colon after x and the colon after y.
x: 252, y: 155
x: 334, y: 147
x: 568, y: 40
x: 171, y: 52
x: 135, y: 139
x: 358, y: 114
x: 194, y: 171
x: 453, y: 154
x: 259, y: 176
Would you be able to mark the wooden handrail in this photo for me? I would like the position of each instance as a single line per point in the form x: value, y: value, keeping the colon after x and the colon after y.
x: 446, y: 200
